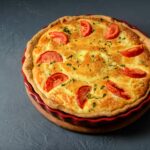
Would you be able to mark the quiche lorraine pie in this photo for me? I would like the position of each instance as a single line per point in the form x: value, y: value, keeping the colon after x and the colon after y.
x: 89, y: 66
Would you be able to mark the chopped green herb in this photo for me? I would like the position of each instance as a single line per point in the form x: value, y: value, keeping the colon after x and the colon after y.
x: 99, y: 41
x: 142, y: 62
x: 93, y: 31
x: 70, y: 56
x: 108, y: 43
x: 63, y: 84
x: 122, y: 65
x: 102, y: 87
x: 73, y: 80
x: 95, y: 86
x: 66, y: 30
x: 121, y: 38
x: 74, y: 68
x: 104, y: 95
x: 102, y: 49
x: 52, y: 62
x: 38, y: 65
x: 89, y: 96
x: 68, y: 64
x: 94, y: 104
x: 106, y: 77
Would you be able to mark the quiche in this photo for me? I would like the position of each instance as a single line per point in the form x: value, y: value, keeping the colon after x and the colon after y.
x: 89, y: 66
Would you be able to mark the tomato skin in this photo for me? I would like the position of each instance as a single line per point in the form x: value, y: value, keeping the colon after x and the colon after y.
x: 132, y: 52
x: 54, y: 80
x: 86, y: 28
x: 133, y: 73
x: 113, y: 88
x: 112, y: 32
x: 59, y: 37
x: 49, y: 56
x: 82, y: 95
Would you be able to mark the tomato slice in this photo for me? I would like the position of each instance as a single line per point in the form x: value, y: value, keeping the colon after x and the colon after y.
x: 132, y: 52
x: 112, y: 87
x: 82, y: 95
x: 86, y: 28
x: 133, y: 73
x: 59, y: 37
x: 49, y: 56
x: 112, y: 31
x: 54, y: 80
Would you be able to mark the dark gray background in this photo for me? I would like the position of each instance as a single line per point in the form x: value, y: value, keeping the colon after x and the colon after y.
x: 21, y: 126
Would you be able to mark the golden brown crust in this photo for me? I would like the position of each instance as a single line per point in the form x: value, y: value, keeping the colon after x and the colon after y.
x: 107, y: 106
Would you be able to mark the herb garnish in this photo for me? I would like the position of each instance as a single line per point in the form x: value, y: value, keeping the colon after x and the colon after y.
x: 52, y: 62
x: 63, y: 84
x: 104, y: 95
x: 70, y: 56
x: 122, y: 65
x: 95, y: 86
x: 106, y: 77
x: 38, y: 65
x: 102, y: 87
x: 74, y: 68
x: 71, y: 80
x: 68, y: 64
x: 66, y: 30
x: 108, y: 43
x: 89, y: 96
x: 94, y: 104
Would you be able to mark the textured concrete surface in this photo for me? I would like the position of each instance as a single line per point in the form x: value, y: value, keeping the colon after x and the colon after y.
x: 21, y: 126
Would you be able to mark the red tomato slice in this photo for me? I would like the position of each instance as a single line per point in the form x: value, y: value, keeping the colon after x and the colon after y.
x: 86, y: 28
x: 49, y: 56
x: 82, y: 95
x: 132, y: 52
x: 112, y: 31
x: 59, y: 37
x: 133, y: 73
x: 54, y: 80
x: 112, y: 87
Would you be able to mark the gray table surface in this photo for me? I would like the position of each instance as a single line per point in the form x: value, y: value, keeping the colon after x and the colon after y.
x: 22, y: 127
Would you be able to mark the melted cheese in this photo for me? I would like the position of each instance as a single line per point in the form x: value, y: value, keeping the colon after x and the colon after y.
x: 94, y: 60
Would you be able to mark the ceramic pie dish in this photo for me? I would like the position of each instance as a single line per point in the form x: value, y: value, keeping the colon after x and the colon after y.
x: 88, y: 73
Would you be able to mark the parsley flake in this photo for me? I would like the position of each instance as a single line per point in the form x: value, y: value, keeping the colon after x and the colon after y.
x: 66, y: 30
